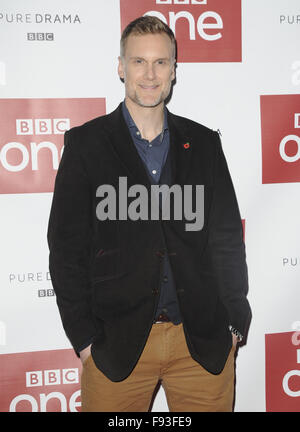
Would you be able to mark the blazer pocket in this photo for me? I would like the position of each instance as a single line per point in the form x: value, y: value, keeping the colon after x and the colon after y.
x: 104, y: 278
x: 106, y: 265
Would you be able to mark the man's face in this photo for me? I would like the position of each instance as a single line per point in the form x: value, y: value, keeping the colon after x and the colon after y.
x: 147, y: 68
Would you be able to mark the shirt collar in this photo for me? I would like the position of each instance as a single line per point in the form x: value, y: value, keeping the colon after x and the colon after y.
x: 131, y: 124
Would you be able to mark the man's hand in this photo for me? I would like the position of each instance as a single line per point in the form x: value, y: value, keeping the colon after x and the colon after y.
x: 234, y: 340
x: 84, y: 354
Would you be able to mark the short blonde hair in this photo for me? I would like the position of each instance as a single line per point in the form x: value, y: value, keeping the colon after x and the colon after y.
x: 146, y: 25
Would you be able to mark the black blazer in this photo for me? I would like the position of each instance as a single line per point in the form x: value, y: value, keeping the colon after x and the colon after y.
x: 106, y: 274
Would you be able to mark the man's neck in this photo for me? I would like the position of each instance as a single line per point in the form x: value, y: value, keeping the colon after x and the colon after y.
x: 149, y: 121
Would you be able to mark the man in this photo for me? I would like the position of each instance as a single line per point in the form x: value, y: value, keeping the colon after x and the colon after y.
x: 144, y: 300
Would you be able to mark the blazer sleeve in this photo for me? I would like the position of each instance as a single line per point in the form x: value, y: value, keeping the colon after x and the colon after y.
x: 227, y: 246
x: 69, y: 240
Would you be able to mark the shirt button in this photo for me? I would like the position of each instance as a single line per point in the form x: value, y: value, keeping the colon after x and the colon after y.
x: 153, y: 171
x: 150, y: 145
x: 138, y: 133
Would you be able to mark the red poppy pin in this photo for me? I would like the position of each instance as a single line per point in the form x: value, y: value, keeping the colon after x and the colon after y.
x: 186, y: 145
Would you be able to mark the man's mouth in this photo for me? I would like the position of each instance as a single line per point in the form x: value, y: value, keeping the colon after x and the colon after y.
x: 147, y: 87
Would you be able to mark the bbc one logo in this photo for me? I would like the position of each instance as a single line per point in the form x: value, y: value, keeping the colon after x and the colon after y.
x: 34, y: 127
x: 280, y: 131
x: 56, y: 377
x: 40, y: 381
x: 283, y: 371
x: 32, y: 139
x: 205, y: 30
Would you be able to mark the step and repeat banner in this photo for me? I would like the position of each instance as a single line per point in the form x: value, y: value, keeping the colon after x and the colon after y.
x: 238, y: 72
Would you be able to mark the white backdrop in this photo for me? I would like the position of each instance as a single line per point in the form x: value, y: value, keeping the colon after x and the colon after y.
x: 81, y: 62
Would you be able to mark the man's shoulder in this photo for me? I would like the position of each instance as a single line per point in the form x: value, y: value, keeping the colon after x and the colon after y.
x: 95, y: 125
x: 190, y: 126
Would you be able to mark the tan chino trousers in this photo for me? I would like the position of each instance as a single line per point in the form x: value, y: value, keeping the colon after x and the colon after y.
x: 166, y: 358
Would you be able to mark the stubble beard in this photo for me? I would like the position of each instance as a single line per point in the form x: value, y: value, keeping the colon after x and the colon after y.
x: 139, y: 100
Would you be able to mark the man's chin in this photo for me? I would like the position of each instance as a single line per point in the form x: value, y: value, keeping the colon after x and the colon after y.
x: 148, y: 103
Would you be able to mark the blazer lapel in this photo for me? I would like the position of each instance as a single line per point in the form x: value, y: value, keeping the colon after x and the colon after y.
x: 181, y: 151
x: 125, y: 149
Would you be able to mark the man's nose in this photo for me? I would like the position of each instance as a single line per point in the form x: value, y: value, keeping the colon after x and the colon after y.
x: 150, y: 71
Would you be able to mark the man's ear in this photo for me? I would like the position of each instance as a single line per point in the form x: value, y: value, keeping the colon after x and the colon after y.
x: 120, y: 68
x: 173, y: 74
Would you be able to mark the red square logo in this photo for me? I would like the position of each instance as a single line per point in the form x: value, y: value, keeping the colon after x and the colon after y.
x: 32, y: 138
x: 41, y: 381
x: 205, y: 30
x: 283, y: 372
x: 280, y: 132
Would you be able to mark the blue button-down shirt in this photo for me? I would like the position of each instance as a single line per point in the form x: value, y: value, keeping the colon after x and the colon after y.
x: 154, y: 155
